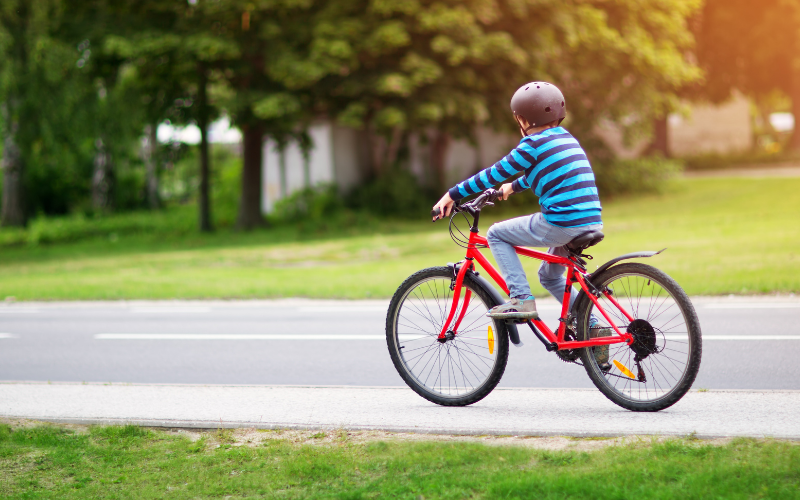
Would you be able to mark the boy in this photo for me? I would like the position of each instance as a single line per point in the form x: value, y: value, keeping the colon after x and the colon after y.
x: 555, y: 167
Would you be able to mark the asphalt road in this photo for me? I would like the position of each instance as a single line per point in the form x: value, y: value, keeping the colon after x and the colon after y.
x: 337, y: 343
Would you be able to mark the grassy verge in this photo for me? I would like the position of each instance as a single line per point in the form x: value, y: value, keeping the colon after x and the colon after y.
x: 128, y: 462
x: 723, y: 236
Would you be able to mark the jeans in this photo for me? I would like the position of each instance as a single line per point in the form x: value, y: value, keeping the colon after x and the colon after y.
x: 533, y: 231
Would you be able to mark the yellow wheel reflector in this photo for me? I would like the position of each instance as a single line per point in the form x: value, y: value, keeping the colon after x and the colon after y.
x: 624, y: 369
x: 491, y: 340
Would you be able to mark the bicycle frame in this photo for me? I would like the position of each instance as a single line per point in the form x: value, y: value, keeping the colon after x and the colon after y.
x: 575, y: 274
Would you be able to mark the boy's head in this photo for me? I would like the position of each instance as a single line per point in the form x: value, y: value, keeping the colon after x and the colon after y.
x: 538, y: 106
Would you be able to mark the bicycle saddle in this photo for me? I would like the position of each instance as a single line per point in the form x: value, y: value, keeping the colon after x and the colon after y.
x: 585, y: 240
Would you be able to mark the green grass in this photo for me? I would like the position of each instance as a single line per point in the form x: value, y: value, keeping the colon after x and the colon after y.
x: 131, y: 462
x: 723, y: 236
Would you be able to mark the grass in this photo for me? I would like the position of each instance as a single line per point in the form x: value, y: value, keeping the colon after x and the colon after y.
x: 132, y: 462
x: 723, y: 236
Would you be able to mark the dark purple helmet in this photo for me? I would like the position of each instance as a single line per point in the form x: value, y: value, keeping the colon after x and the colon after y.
x: 539, y: 103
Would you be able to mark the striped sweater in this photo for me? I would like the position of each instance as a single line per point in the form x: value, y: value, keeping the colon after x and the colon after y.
x: 555, y: 166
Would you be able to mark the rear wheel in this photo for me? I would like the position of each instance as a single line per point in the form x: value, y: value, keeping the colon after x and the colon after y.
x: 660, y: 366
x: 461, y: 370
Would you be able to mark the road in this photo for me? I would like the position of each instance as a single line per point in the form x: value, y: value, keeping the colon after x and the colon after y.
x: 135, y: 342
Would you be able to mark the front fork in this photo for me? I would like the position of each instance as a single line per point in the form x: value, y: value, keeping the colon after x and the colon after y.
x: 457, y: 284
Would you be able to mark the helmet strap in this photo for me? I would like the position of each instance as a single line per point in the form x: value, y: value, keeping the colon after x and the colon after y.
x: 523, y: 131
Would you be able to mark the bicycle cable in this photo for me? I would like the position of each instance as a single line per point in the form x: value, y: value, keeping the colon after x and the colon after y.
x: 461, y: 239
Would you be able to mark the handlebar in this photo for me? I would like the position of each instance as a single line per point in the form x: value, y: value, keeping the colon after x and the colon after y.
x: 486, y: 198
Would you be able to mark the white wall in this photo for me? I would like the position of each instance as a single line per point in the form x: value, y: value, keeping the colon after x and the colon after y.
x: 724, y: 128
x: 349, y: 156
x: 706, y: 128
x: 339, y: 155
x: 320, y: 166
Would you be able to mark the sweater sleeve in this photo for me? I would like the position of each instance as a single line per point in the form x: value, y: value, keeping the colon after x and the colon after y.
x: 520, y: 159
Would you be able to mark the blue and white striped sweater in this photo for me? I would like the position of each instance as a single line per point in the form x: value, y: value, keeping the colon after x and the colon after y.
x: 555, y: 166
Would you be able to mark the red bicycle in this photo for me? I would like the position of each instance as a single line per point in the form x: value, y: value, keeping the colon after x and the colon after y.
x: 449, y: 352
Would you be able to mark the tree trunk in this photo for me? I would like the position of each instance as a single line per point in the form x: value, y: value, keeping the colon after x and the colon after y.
x: 151, y: 166
x: 13, y: 209
x: 204, y: 202
x: 377, y: 150
x: 660, y: 144
x: 250, y: 201
x: 794, y: 141
x: 102, y: 178
x: 394, y: 146
x: 439, y: 147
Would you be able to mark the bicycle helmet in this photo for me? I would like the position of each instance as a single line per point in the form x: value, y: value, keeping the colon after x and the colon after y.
x: 539, y: 103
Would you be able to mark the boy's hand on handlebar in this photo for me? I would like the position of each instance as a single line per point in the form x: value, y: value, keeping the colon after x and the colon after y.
x: 506, y: 190
x: 444, y: 206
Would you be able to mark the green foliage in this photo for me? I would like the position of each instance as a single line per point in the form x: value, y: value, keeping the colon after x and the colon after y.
x: 746, y: 159
x: 451, y: 66
x: 397, y: 192
x: 748, y: 46
x: 310, y: 203
x: 78, y: 226
x: 643, y: 175
x: 225, y: 186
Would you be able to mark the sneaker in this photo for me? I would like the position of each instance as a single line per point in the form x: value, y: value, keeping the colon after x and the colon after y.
x: 515, y: 309
x: 601, y: 352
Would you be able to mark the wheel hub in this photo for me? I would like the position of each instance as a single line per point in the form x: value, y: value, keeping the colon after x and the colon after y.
x: 447, y: 336
x: 644, y: 338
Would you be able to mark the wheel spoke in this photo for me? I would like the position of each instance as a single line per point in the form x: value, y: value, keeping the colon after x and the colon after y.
x: 659, y: 314
x: 455, y: 368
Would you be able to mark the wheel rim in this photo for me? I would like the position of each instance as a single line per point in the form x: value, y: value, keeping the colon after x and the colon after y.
x: 661, y: 337
x: 458, y: 367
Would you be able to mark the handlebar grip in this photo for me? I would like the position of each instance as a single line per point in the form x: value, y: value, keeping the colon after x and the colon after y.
x: 435, y: 213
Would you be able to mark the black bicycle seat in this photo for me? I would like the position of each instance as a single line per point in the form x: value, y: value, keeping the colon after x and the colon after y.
x: 585, y: 240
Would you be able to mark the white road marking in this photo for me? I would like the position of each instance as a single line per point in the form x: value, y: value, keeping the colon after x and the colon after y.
x: 169, y: 310
x: 231, y: 336
x: 754, y: 305
x: 7, y: 336
x: 18, y: 311
x: 342, y: 309
x: 738, y: 337
x: 404, y: 337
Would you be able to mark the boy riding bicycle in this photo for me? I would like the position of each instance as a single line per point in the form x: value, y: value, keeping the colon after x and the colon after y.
x: 556, y: 168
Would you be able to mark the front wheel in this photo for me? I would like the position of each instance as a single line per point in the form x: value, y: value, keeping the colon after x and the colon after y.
x: 659, y: 367
x: 463, y: 369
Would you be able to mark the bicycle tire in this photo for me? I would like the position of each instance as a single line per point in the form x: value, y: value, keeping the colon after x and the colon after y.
x: 465, y: 347
x: 653, y: 342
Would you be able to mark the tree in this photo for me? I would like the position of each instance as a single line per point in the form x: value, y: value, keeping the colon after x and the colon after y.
x: 428, y: 65
x: 268, y: 83
x: 753, y: 47
x: 174, y: 52
x: 44, y: 100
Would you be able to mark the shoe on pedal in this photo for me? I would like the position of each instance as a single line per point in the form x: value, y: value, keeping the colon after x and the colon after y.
x: 601, y: 351
x: 515, y: 309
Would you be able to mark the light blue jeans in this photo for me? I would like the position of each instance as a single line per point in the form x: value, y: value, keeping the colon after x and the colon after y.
x: 533, y: 231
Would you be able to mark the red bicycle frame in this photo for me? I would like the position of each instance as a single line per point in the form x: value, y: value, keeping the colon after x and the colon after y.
x: 575, y: 274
